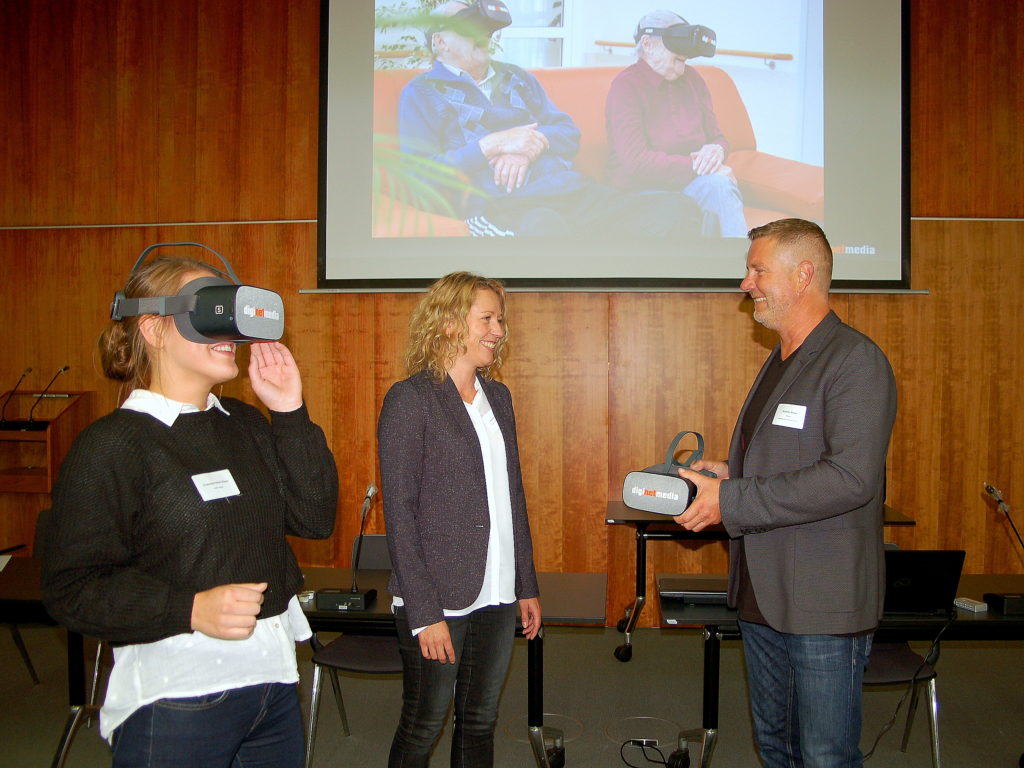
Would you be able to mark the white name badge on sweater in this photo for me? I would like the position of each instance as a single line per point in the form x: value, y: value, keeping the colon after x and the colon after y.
x: 216, y: 485
x: 790, y: 416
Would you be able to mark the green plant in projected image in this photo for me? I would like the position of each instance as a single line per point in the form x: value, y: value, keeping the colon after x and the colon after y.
x: 405, y: 185
x: 401, y: 34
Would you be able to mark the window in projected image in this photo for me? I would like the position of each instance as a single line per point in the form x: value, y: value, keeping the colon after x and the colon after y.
x: 603, y: 143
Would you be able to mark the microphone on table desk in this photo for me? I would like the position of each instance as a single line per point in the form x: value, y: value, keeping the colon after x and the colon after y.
x: 46, y: 389
x: 371, y: 594
x: 3, y: 410
x: 355, y: 599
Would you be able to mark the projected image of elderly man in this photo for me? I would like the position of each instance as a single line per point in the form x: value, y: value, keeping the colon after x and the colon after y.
x: 495, y: 125
x: 662, y: 128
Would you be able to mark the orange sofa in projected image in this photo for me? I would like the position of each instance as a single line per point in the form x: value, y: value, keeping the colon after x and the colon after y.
x: 772, y: 187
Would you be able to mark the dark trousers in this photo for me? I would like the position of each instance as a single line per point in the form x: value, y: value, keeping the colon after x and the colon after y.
x: 483, y: 648
x: 598, y: 211
x: 258, y: 726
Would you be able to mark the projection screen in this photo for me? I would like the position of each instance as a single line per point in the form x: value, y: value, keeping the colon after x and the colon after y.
x: 810, y: 96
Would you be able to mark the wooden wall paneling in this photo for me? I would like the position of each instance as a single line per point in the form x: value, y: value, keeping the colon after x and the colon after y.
x: 979, y: 377
x: 557, y: 372
x: 897, y: 324
x: 138, y: 112
x: 338, y: 342
x: 390, y: 323
x: 966, y: 97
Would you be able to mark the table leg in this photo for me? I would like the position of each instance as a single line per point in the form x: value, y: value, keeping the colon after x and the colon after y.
x: 624, y: 652
x: 546, y: 757
x: 76, y: 669
x: 707, y: 734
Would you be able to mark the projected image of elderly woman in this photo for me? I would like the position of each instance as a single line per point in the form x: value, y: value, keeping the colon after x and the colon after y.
x: 662, y: 128
x: 456, y: 522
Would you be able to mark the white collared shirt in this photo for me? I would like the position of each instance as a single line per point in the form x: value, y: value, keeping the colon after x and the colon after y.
x: 194, y: 664
x: 163, y: 408
x: 486, y: 85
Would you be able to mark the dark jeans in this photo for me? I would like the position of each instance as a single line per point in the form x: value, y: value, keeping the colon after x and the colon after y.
x: 258, y: 726
x: 483, y: 648
x: 805, y: 694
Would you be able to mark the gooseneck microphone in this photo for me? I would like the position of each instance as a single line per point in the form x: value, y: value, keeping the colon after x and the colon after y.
x: 996, y: 494
x: 47, y: 389
x: 340, y: 599
x: 3, y: 410
x: 371, y: 491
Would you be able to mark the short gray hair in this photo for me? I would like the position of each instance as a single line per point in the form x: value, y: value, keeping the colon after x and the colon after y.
x: 804, y: 237
x: 658, y: 20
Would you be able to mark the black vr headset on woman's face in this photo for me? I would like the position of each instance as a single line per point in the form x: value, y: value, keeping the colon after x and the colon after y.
x: 209, y: 309
x: 477, y: 21
x: 687, y: 40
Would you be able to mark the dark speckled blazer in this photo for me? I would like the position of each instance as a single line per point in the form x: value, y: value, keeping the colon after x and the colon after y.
x: 435, y: 496
x: 809, y: 503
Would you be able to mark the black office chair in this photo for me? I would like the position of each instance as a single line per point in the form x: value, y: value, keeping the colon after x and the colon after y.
x: 360, y: 654
x: 892, y: 664
x: 83, y: 713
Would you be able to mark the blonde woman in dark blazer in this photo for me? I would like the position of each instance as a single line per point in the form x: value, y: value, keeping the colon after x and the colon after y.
x: 456, y: 520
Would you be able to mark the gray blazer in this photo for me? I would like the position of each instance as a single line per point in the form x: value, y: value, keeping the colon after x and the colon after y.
x: 809, y: 503
x: 435, y: 496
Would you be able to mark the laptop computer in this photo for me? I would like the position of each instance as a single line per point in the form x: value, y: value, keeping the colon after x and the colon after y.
x: 694, y: 589
x: 922, y: 582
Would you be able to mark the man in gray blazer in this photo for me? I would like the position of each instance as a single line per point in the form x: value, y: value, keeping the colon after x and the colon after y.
x: 801, y: 498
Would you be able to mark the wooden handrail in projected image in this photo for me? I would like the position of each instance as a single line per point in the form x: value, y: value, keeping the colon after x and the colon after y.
x: 769, y: 58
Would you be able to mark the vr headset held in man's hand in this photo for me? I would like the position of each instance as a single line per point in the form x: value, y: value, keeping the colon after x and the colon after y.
x: 660, y: 489
x: 210, y: 309
x: 689, y: 40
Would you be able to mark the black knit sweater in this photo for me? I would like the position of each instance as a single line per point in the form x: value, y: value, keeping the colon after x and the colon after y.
x: 130, y: 542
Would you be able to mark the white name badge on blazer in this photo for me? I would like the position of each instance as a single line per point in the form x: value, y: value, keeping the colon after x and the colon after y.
x: 216, y: 485
x: 791, y: 416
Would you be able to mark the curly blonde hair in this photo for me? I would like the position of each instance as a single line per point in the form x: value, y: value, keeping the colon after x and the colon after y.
x: 446, y: 306
x: 124, y: 355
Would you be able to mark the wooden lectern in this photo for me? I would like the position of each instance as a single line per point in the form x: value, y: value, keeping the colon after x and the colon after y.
x: 31, y: 452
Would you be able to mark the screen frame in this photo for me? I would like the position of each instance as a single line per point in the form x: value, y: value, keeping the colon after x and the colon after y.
x: 506, y: 249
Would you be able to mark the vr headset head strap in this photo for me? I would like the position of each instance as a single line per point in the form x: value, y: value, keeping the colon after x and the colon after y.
x: 227, y: 265
x: 697, y: 455
x: 123, y: 307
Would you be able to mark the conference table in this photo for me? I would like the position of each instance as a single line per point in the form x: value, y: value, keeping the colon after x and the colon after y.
x: 653, y: 527
x: 718, y: 622
x: 566, y: 598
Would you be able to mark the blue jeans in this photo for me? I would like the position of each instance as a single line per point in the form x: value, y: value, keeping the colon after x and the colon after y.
x: 256, y: 726
x: 720, y: 203
x: 483, y: 649
x: 805, y: 695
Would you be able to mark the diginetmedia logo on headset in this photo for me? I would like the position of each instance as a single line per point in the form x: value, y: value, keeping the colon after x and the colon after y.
x: 269, y: 314
x: 638, y: 491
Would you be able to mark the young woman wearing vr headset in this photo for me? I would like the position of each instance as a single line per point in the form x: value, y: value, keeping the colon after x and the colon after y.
x: 167, y: 536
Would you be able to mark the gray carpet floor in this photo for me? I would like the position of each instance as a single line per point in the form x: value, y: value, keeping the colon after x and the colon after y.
x: 597, y: 701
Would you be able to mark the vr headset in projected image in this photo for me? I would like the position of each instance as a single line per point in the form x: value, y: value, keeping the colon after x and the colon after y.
x: 209, y: 310
x: 689, y: 40
x: 477, y: 21
x: 660, y: 489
